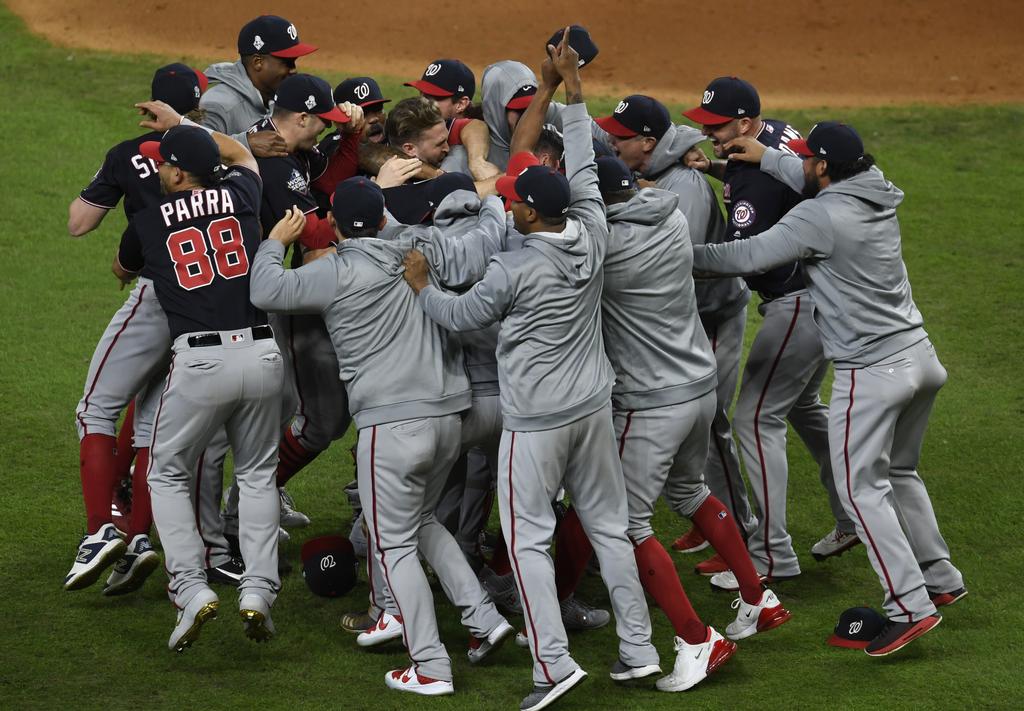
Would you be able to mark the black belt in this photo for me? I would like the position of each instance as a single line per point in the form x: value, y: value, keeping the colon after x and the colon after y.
x: 259, y: 333
x: 772, y: 295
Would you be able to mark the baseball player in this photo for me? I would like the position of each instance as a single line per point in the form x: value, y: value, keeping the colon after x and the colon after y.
x: 642, y: 135
x: 847, y: 240
x: 555, y: 396
x: 134, y: 349
x: 365, y: 93
x: 508, y: 87
x: 406, y: 386
x: 786, y: 365
x: 226, y: 371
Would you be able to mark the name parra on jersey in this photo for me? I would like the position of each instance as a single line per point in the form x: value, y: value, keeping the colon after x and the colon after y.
x: 198, y: 203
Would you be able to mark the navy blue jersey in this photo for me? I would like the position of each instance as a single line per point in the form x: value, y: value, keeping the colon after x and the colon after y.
x: 197, y: 246
x: 755, y: 201
x: 125, y: 173
x: 287, y: 181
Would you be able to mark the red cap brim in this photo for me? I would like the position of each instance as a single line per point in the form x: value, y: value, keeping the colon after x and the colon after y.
x: 429, y: 89
x: 706, y: 118
x: 204, y: 81
x: 375, y: 102
x: 299, y: 50
x: 800, y: 147
x: 151, y: 149
x: 612, y: 126
x: 506, y: 187
x: 336, y: 115
x: 519, y: 103
x: 837, y: 641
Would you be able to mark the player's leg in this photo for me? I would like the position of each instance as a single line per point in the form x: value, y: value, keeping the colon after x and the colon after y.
x: 595, y: 483
x: 222, y: 565
x: 449, y: 500
x: 530, y: 470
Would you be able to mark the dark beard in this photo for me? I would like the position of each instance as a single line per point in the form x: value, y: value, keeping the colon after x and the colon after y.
x: 811, y: 188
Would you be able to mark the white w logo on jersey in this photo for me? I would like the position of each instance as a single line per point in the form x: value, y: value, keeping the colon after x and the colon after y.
x: 432, y: 70
x: 362, y: 91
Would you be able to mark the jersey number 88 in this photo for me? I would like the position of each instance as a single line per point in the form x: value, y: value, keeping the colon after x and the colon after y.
x: 191, y: 256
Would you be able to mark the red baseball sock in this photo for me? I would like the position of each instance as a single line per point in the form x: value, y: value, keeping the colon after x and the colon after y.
x: 140, y: 520
x: 292, y: 457
x: 125, y: 452
x: 500, y: 563
x: 572, y: 553
x: 96, y: 465
x: 661, y: 581
x: 714, y: 521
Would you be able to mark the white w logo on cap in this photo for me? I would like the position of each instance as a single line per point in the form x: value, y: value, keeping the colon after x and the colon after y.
x: 708, y: 96
x: 432, y: 70
x: 327, y: 562
x: 362, y: 91
x: 623, y: 105
x: 292, y: 32
x: 310, y: 102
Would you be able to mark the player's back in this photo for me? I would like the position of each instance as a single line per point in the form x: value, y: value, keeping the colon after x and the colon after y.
x: 125, y: 173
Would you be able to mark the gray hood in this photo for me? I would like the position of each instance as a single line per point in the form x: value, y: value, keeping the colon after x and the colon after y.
x: 500, y: 82
x: 870, y: 186
x: 650, y: 206
x: 388, y: 255
x: 567, y: 250
x: 457, y: 206
x: 671, y: 148
x: 232, y: 74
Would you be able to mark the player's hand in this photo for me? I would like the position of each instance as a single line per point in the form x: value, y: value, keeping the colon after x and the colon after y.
x: 415, y: 270
x: 746, y: 149
x: 356, y: 120
x: 160, y: 116
x: 565, y: 58
x: 698, y: 160
x: 288, y: 229
x: 548, y: 74
x: 267, y: 144
x: 397, y: 171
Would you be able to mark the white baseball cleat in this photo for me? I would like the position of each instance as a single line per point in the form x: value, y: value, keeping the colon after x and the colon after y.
x: 767, y: 614
x: 623, y: 672
x: 131, y: 571
x: 543, y: 695
x: 727, y: 581
x: 290, y: 518
x: 387, y: 628
x: 410, y: 680
x: 522, y: 640
x: 200, y: 609
x: 835, y: 542
x: 695, y: 661
x: 255, y: 614
x: 480, y: 649
x: 96, y: 553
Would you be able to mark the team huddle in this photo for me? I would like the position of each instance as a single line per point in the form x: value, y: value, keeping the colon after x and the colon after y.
x: 510, y: 300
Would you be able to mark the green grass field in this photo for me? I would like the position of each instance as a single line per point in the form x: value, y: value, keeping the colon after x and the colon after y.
x: 962, y: 225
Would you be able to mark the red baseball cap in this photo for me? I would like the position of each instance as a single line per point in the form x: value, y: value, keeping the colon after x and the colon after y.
x: 637, y: 115
x: 517, y: 165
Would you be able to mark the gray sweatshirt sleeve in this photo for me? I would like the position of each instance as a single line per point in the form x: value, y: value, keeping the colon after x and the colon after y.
x: 784, y: 167
x: 804, y: 233
x: 580, y: 168
x: 459, y: 261
x: 215, y: 116
x: 479, y: 307
x: 308, y: 289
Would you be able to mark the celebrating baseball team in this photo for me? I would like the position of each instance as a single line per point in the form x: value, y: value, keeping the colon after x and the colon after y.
x: 512, y: 301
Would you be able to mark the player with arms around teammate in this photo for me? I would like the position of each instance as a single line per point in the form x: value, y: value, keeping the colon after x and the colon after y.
x: 226, y: 370
x: 847, y: 239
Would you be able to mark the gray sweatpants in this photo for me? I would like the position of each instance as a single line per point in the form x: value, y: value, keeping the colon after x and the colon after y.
x: 237, y: 387
x: 402, y: 468
x: 878, y: 419
x: 663, y: 451
x: 532, y: 466
x: 782, y: 379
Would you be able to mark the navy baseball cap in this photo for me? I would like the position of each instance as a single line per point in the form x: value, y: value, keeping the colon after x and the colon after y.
x: 305, y: 93
x: 270, y: 34
x: 579, y: 39
x: 542, y: 188
x: 189, y: 147
x: 357, y: 203
x: 329, y: 565
x: 179, y: 86
x: 363, y: 91
x: 446, y: 77
x: 637, y: 115
x: 613, y: 175
x: 725, y: 99
x: 829, y: 140
x: 856, y: 627
x: 447, y: 183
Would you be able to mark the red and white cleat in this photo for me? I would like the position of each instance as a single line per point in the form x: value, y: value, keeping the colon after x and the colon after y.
x: 690, y: 542
x: 412, y: 681
x: 751, y: 619
x: 387, y: 628
x: 695, y: 661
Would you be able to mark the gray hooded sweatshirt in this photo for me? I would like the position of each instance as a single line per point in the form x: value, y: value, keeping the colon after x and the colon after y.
x: 500, y: 83
x: 652, y: 331
x: 552, y: 366
x: 848, y: 241
x: 233, y: 105
x: 395, y: 362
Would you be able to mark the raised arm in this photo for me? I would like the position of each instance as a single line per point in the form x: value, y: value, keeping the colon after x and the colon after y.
x: 162, y: 118
x: 308, y: 289
x: 476, y: 138
x: 83, y: 217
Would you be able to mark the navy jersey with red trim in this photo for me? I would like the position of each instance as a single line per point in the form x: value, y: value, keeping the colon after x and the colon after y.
x: 127, y: 174
x: 287, y: 181
x: 197, y: 247
x: 755, y: 201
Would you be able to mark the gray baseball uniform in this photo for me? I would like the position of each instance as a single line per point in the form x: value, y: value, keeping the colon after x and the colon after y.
x: 886, y: 371
x: 499, y: 84
x: 555, y: 399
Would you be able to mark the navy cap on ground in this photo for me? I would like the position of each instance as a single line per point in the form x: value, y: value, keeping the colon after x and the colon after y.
x: 637, y: 115
x: 446, y: 78
x: 830, y: 140
x: 364, y: 91
x: 189, y: 147
x: 580, y: 40
x: 613, y: 175
x: 447, y: 183
x: 357, y: 203
x: 270, y: 34
x: 725, y: 99
x: 542, y: 188
x: 305, y: 93
x: 179, y: 86
x: 329, y: 565
x: 856, y: 627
